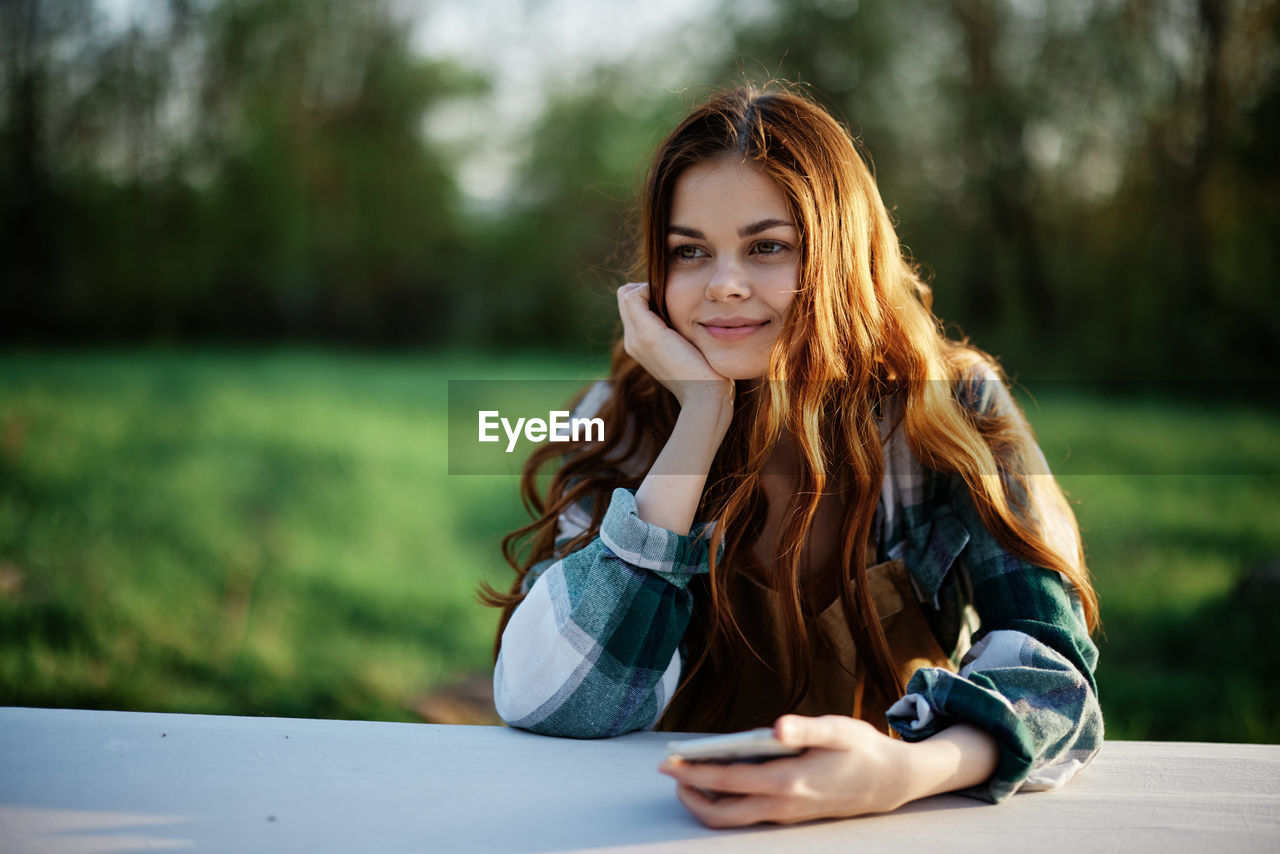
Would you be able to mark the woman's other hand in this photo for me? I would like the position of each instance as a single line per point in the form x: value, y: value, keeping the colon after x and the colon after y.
x: 849, y: 769
x: 666, y: 354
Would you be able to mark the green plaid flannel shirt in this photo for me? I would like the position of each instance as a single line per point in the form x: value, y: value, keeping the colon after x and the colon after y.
x: 595, y: 647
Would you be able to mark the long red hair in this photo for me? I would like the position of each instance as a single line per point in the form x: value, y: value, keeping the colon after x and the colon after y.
x: 861, y: 331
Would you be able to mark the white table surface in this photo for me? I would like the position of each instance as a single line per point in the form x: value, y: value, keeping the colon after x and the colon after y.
x: 87, y: 781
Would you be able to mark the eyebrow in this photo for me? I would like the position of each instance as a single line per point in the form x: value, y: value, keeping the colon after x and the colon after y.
x: 746, y: 231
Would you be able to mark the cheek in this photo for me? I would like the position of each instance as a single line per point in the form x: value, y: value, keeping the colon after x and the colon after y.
x: 783, y: 298
x: 785, y: 304
x: 681, y: 300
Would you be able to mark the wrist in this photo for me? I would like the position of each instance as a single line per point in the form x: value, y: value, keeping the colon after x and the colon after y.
x: 709, y: 402
x: 909, y: 769
x: 956, y: 758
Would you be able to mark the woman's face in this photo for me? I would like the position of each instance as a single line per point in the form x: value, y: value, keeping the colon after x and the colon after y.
x: 733, y: 261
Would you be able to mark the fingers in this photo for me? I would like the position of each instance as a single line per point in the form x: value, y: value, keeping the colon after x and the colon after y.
x: 847, y: 769
x: 633, y: 287
x: 638, y: 322
x: 739, y: 778
x: 631, y: 296
x: 660, y: 349
x: 832, y: 732
x: 648, y: 339
x: 720, y: 811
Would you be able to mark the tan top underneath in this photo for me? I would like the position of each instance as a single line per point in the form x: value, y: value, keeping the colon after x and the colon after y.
x: 837, y: 685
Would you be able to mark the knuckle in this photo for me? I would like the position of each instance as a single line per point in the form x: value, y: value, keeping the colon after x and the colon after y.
x: 793, y: 787
x: 777, y: 781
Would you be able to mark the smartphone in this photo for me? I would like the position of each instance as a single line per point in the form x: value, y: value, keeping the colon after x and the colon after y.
x: 755, y: 745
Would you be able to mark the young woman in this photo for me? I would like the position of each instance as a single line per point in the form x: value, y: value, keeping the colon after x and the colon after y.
x: 811, y: 510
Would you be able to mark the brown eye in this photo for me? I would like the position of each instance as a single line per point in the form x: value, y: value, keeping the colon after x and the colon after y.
x: 686, y: 252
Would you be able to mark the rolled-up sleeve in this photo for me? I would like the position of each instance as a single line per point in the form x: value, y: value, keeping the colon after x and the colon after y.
x: 1028, y: 679
x: 593, y: 650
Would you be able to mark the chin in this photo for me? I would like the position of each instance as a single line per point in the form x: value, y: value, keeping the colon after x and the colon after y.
x: 739, y: 369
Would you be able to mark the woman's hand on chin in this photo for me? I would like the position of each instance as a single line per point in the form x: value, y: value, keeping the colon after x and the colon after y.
x: 849, y: 769
x: 666, y: 354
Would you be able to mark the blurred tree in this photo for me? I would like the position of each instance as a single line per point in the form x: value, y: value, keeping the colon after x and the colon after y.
x: 42, y: 42
x: 337, y: 217
x: 1092, y: 185
x: 1205, y: 166
x: 994, y: 125
x: 245, y: 168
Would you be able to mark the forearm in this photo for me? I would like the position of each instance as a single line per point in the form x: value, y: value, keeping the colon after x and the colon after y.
x: 960, y: 756
x: 669, y: 495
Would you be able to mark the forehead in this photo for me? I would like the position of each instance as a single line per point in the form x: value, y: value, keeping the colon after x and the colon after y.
x: 724, y: 188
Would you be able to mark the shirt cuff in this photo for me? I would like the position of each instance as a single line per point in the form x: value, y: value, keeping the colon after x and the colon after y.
x: 937, y: 699
x: 675, y: 557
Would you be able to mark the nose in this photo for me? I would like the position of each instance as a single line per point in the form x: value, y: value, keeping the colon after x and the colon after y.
x: 728, y: 281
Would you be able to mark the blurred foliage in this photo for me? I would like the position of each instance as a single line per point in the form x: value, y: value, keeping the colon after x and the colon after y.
x: 236, y: 533
x: 274, y: 533
x: 1093, y: 186
x: 248, y: 169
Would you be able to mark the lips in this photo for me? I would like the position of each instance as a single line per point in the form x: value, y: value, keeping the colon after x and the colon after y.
x: 732, y: 328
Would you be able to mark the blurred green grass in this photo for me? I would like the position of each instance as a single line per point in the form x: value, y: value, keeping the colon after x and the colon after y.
x: 276, y: 533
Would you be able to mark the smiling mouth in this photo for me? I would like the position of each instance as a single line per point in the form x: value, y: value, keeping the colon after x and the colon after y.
x: 733, y: 330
